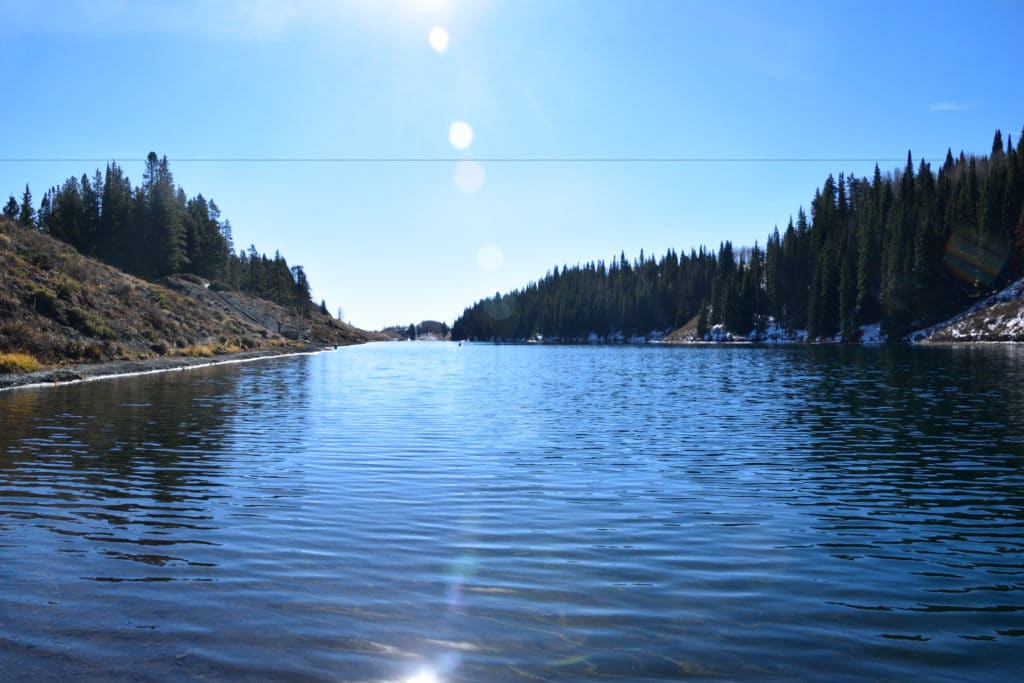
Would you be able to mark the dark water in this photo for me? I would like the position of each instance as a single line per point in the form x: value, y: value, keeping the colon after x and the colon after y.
x: 429, y: 512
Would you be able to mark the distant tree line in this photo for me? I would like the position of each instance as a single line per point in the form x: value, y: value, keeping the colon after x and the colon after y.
x: 904, y: 249
x: 155, y: 230
x: 431, y: 328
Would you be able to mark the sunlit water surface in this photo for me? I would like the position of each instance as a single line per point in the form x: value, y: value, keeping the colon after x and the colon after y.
x: 430, y: 512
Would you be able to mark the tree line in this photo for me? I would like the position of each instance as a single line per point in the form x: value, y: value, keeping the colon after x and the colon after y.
x: 426, y: 328
x: 904, y: 249
x: 154, y: 230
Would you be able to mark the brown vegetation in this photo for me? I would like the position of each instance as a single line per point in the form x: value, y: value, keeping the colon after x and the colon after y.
x: 59, y: 307
x: 18, y: 362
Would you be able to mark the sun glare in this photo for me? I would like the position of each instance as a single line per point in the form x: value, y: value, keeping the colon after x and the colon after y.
x: 460, y: 134
x: 438, y: 39
x: 424, y: 676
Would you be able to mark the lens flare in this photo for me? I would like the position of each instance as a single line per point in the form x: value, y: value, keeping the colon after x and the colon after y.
x: 460, y: 134
x: 973, y: 262
x: 502, y: 308
x: 489, y: 257
x: 469, y: 175
x: 438, y: 39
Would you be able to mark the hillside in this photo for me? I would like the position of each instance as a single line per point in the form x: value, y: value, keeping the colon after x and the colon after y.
x: 998, y: 318
x: 59, y: 308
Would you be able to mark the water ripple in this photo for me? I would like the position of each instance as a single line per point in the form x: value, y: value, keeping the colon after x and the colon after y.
x: 406, y: 511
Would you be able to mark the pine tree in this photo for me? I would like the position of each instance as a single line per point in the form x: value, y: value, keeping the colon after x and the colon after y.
x: 43, y: 217
x: 11, y: 209
x: 90, y: 220
x: 26, y: 217
x: 302, y: 295
x: 67, y: 216
x: 997, y: 145
x: 164, y: 227
x: 899, y: 296
x: 114, y: 233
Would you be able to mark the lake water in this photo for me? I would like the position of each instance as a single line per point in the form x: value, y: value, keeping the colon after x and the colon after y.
x: 436, y: 513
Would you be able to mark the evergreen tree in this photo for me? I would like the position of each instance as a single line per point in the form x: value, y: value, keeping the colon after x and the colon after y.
x: 164, y: 226
x: 11, y: 209
x: 26, y: 217
x: 702, y: 320
x: 43, y: 217
x: 90, y: 219
x: 302, y: 297
x: 67, y: 219
x: 114, y: 233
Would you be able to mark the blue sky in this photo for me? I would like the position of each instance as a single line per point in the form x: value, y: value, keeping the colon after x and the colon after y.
x: 321, y: 127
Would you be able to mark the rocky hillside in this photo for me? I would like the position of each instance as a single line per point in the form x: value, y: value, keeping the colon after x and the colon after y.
x: 58, y: 307
x: 998, y: 318
x: 684, y: 335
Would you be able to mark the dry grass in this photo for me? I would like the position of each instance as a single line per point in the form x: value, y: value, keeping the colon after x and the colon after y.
x: 197, y: 351
x: 18, y: 362
x: 208, y: 350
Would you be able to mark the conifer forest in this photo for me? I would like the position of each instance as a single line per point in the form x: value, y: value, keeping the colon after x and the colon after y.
x: 154, y: 229
x: 904, y: 249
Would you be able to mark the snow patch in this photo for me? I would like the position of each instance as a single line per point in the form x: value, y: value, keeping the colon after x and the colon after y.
x: 1012, y: 292
x: 871, y: 334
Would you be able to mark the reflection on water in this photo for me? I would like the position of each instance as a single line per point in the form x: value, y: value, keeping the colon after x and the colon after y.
x: 430, y: 512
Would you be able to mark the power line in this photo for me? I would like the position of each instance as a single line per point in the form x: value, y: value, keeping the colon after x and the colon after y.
x: 432, y: 160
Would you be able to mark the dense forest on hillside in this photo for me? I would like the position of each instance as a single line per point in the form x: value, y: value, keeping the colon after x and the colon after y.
x: 905, y: 249
x: 154, y: 230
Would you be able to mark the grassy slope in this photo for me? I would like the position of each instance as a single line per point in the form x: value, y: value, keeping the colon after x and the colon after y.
x: 61, y: 307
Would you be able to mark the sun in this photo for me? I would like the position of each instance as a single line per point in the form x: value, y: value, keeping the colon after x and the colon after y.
x: 460, y: 134
x: 438, y: 39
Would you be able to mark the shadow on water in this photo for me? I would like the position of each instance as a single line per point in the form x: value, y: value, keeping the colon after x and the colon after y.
x: 110, y: 490
x: 157, y: 435
x: 127, y: 468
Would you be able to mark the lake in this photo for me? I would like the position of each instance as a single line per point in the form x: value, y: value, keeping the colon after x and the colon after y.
x: 431, y: 513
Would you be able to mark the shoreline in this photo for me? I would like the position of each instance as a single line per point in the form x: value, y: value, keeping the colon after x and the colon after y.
x: 91, y: 372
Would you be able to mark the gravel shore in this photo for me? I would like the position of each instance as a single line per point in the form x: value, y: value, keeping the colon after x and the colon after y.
x: 93, y: 371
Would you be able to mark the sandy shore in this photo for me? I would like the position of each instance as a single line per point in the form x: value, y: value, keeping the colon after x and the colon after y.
x: 94, y: 371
